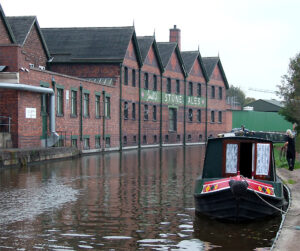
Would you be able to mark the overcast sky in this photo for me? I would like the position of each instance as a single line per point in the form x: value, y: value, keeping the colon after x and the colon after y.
x: 255, y: 39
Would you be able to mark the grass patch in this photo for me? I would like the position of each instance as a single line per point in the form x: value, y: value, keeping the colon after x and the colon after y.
x: 290, y: 181
x: 280, y: 158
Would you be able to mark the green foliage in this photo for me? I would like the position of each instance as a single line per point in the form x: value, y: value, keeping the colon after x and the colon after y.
x: 237, y: 93
x: 280, y: 157
x: 289, y: 90
x: 249, y: 100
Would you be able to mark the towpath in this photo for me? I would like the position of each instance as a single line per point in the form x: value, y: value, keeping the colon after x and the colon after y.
x: 289, y: 235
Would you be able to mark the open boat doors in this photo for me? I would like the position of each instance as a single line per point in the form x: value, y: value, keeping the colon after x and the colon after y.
x: 251, y: 159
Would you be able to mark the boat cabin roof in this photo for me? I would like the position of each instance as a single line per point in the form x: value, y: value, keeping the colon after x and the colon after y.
x: 248, y: 156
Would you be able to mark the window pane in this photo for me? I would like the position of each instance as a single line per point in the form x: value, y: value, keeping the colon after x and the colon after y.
x: 154, y: 83
x: 190, y: 115
x: 263, y: 159
x: 133, y: 78
x: 169, y: 85
x: 97, y: 106
x: 73, y: 103
x: 86, y: 108
x: 172, y: 119
x: 212, y: 92
x: 199, y: 115
x: 199, y: 90
x: 133, y: 110
x: 107, y: 107
x: 154, y: 112
x: 146, y: 83
x: 60, y: 101
x: 125, y: 110
x: 190, y: 89
x: 125, y: 76
x: 177, y: 86
x: 231, y: 158
x: 145, y: 112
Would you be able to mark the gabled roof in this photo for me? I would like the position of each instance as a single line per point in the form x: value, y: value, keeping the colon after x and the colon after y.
x: 90, y: 44
x: 189, y: 59
x: 166, y: 49
x: 7, y: 26
x: 210, y: 64
x: 145, y: 44
x: 266, y: 105
x: 21, y: 27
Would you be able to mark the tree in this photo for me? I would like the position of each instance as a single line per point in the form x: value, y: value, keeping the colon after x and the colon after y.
x: 249, y: 100
x: 237, y: 94
x: 289, y: 90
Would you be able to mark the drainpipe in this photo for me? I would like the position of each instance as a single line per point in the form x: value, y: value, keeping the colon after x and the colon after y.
x: 103, y: 136
x: 81, y: 113
x: 140, y: 96
x: 206, y: 91
x: 23, y: 87
x: 184, y: 113
x: 120, y: 108
x: 161, y: 107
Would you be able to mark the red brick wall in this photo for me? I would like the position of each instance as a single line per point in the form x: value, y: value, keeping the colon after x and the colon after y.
x: 4, y: 37
x: 87, y: 70
x: 150, y: 128
x: 33, y: 51
x: 9, y: 108
x: 216, y: 104
x: 9, y: 56
x: 29, y: 131
x: 173, y: 71
x: 196, y: 129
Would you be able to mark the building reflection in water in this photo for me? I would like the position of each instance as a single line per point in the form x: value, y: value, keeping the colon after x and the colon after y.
x: 138, y: 199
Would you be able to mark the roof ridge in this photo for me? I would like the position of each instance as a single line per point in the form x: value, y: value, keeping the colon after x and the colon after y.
x: 21, y: 16
x: 73, y: 28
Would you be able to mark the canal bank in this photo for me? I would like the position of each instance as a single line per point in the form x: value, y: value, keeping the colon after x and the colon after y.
x: 288, y: 235
x: 23, y: 157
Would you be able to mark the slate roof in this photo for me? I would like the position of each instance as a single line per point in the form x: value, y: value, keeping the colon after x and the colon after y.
x: 210, y: 64
x: 145, y: 44
x: 266, y: 105
x: 21, y: 27
x: 7, y: 26
x: 189, y: 58
x: 165, y: 50
x: 88, y: 44
x: 274, y: 102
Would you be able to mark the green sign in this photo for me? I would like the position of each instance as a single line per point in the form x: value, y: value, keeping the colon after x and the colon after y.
x: 171, y: 99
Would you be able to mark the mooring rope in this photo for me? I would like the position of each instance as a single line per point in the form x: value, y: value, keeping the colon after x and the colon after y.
x: 269, y: 204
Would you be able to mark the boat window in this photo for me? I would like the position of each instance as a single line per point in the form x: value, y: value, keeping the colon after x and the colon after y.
x: 231, y: 158
x: 263, y: 159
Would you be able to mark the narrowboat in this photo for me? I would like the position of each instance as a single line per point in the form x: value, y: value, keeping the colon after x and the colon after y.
x: 239, y: 181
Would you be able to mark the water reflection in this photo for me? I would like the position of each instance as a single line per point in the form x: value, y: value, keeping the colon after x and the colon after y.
x: 135, y: 200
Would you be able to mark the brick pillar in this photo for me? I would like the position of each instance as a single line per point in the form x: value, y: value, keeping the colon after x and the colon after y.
x: 175, y: 36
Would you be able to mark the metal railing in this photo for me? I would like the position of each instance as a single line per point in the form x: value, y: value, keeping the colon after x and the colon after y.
x: 5, y: 124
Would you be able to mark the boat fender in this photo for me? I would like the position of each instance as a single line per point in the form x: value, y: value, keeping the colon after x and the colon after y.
x: 238, y: 188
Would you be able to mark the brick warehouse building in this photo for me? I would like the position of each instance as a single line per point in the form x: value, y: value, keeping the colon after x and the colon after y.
x: 112, y: 89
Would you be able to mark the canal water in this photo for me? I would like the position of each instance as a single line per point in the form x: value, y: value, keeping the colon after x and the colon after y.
x: 135, y: 200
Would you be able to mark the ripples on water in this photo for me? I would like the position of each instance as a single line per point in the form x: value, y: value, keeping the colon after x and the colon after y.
x: 115, y: 201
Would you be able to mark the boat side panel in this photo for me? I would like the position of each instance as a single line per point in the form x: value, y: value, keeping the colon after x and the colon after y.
x: 213, y: 160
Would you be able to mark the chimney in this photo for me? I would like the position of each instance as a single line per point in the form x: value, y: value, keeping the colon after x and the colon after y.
x: 175, y: 36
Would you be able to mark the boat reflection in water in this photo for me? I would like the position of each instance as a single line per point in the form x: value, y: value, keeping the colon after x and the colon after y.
x: 218, y: 235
